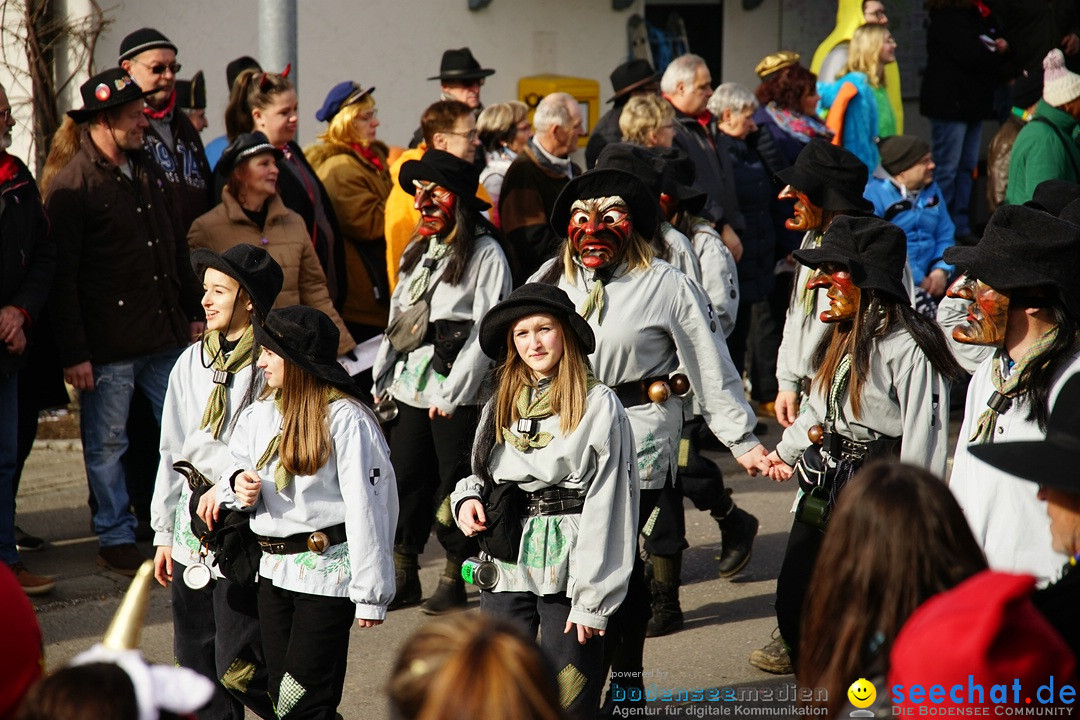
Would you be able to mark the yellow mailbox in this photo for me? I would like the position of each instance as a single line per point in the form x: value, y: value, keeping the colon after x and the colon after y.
x: 532, y: 89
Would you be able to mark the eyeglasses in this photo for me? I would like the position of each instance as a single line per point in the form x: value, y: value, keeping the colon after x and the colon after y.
x: 369, y: 115
x: 160, y: 68
x: 470, y: 136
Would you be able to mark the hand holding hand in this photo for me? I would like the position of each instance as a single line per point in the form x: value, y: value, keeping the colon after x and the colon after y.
x: 779, y: 470
x: 751, y: 461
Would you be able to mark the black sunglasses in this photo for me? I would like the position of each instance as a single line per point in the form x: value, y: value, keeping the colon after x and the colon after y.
x: 160, y: 68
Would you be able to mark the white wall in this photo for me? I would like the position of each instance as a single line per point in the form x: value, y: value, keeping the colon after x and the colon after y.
x: 393, y: 45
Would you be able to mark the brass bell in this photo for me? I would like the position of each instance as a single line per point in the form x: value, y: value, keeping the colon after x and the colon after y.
x: 659, y: 392
x: 680, y: 384
x: 816, y: 433
x: 317, y: 542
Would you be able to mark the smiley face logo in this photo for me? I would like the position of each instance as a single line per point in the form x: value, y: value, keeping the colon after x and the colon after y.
x: 862, y: 693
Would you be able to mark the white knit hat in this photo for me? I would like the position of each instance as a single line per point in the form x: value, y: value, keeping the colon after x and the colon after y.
x: 1059, y: 85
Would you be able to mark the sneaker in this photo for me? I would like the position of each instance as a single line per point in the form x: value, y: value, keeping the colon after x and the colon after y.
x: 737, y: 533
x: 448, y: 597
x: 773, y: 658
x: 32, y: 584
x: 26, y: 542
x: 121, y: 559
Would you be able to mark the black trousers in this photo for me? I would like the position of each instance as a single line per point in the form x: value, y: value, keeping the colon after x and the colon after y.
x: 766, y: 332
x: 579, y: 668
x: 429, y: 457
x: 306, y: 640
x: 216, y: 634
x: 804, y: 544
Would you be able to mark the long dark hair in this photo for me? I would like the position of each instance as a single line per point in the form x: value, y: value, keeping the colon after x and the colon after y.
x: 468, y: 226
x: 878, y: 315
x: 1038, y: 377
x: 898, y: 537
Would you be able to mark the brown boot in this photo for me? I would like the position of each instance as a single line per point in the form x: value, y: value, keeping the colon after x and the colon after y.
x: 121, y: 559
x: 31, y: 584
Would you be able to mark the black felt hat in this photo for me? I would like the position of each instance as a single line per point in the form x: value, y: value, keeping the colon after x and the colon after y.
x: 631, y: 75
x: 1053, y: 196
x: 142, y: 40
x: 1046, y: 461
x: 1023, y: 248
x: 251, y: 266
x: 677, y: 178
x: 636, y: 160
x: 460, y: 65
x: 530, y: 299
x: 307, y: 338
x: 191, y: 94
x: 607, y: 182
x: 108, y: 89
x: 446, y: 170
x: 873, y: 250
x: 245, y: 145
x: 239, y: 65
x: 832, y: 177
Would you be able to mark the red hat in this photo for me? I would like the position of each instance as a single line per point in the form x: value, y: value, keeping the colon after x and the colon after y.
x: 984, y: 632
x: 22, y: 661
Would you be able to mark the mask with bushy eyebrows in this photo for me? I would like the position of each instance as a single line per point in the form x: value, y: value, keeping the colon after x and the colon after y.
x: 599, y: 230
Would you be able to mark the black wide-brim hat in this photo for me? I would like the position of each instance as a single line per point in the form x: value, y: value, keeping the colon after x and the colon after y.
x: 307, y: 338
x: 873, y: 250
x: 677, y: 178
x: 832, y: 177
x: 108, y: 89
x: 531, y: 299
x: 631, y: 75
x: 244, y: 146
x: 1025, y: 248
x: 460, y: 65
x: 191, y: 94
x: 1053, y: 196
x: 446, y: 170
x: 251, y: 266
x: 637, y: 160
x: 606, y: 182
x: 1046, y: 461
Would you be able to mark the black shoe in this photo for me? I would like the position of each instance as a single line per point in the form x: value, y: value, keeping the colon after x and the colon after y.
x: 26, y: 542
x: 667, y: 614
x: 123, y: 559
x: 406, y: 588
x: 448, y: 597
x: 737, y: 531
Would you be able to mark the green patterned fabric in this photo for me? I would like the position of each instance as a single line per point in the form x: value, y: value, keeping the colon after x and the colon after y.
x: 282, y: 477
x: 289, y: 695
x: 437, y: 250
x: 571, y: 683
x: 544, y: 542
x: 239, y: 675
x: 241, y: 356
x: 1009, y: 387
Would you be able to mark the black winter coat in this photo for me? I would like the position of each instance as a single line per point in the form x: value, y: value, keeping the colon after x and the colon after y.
x: 962, y: 74
x: 755, y: 192
x: 712, y: 171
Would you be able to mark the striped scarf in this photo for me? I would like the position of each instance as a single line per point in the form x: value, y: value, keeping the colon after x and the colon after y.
x: 1007, y: 388
x: 282, y: 477
x: 808, y: 297
x: 241, y: 356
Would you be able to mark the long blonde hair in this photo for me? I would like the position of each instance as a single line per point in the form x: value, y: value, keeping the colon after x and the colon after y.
x: 639, y: 255
x: 341, y: 127
x: 569, y: 387
x: 305, y: 430
x: 864, y: 53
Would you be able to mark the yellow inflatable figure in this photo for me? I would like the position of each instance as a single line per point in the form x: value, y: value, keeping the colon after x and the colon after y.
x: 849, y: 15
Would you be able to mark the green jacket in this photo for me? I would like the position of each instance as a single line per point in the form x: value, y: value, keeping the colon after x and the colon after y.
x: 1044, y: 150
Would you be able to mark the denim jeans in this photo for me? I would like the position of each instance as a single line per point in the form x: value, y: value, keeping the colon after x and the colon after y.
x: 104, y: 435
x: 956, y: 153
x: 9, y: 441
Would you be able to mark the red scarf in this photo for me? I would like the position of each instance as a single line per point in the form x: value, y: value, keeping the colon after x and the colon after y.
x: 368, y: 154
x: 161, y: 114
x: 8, y: 168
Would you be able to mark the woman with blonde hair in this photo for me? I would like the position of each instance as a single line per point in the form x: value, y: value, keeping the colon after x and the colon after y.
x: 869, y: 115
x: 648, y: 120
x: 472, y: 666
x: 352, y: 165
x: 554, y: 443
x: 504, y: 130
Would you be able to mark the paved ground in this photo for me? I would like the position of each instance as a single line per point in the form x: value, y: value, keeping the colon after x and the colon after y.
x: 725, y: 620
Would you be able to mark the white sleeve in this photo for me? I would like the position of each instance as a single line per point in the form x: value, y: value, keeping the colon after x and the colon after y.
x: 168, y: 484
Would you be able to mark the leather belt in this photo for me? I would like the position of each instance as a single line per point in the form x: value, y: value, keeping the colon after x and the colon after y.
x: 839, y: 447
x: 316, y: 542
x: 637, y: 392
x: 553, y: 501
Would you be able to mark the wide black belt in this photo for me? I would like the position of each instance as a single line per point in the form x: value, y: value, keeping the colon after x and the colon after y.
x: 637, y: 392
x: 317, y: 541
x: 839, y: 447
x: 553, y: 501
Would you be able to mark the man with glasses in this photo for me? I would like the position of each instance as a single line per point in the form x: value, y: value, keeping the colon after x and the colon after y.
x: 533, y: 181
x: 460, y: 77
x: 150, y: 59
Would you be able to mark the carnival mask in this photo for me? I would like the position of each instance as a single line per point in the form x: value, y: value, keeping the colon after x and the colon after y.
x: 669, y: 205
x: 987, y: 315
x: 436, y: 206
x: 842, y: 292
x: 807, y: 214
x: 599, y: 230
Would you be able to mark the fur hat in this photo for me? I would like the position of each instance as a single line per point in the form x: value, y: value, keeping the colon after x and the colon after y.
x: 1059, y: 85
